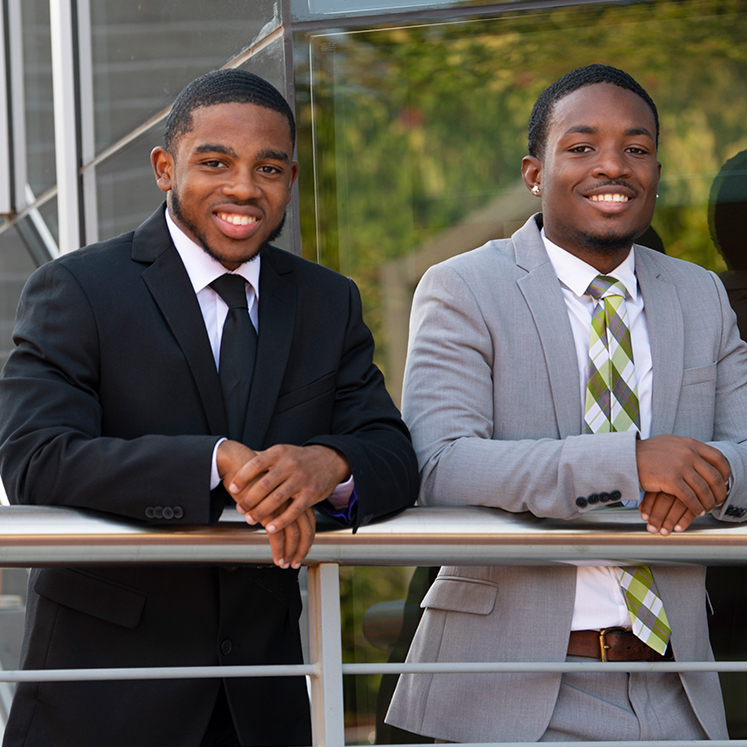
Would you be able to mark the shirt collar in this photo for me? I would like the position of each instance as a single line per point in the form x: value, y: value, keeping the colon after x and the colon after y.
x: 201, y: 267
x: 577, y: 274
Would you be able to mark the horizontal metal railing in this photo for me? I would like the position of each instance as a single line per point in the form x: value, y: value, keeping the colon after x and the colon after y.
x: 40, y: 536
x: 45, y: 536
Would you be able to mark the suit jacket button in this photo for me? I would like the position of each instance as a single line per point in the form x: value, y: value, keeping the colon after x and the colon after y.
x: 149, y: 514
x: 729, y: 511
x: 168, y: 512
x: 593, y: 498
x: 604, y: 498
x: 158, y: 512
x: 615, y: 495
x: 178, y: 512
x: 225, y: 647
x: 581, y: 502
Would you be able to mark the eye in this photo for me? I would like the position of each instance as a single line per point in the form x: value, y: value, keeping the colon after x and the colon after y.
x: 580, y: 149
x: 267, y: 169
x: 213, y: 163
x: 636, y: 151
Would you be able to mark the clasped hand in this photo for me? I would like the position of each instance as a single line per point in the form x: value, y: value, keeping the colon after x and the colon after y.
x: 682, y: 478
x: 277, y: 488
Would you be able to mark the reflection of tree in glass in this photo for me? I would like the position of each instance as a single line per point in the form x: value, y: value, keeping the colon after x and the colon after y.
x: 727, y: 210
x: 418, y: 127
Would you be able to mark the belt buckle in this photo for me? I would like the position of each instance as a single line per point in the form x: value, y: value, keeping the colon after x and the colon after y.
x: 603, y: 647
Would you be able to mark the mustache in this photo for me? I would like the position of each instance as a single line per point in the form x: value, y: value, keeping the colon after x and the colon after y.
x: 611, y: 183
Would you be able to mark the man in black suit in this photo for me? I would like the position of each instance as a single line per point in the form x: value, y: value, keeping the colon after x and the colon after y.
x: 112, y: 401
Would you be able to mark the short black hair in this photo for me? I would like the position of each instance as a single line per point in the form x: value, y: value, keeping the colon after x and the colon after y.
x: 226, y: 86
x: 570, y: 82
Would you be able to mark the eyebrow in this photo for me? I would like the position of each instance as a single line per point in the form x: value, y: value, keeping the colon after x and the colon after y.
x: 587, y: 130
x: 215, y: 148
x: 267, y: 153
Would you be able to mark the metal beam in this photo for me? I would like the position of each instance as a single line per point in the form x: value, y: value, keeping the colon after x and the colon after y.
x: 38, y: 536
x: 327, y: 713
x: 65, y: 123
x: 6, y: 177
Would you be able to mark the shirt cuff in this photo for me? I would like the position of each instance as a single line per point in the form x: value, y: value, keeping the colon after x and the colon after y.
x: 214, y: 476
x: 342, y: 504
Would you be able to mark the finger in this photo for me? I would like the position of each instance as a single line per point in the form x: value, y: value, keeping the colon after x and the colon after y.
x: 307, y: 526
x: 660, y: 506
x: 244, y: 479
x: 292, y: 537
x: 675, y: 514
x: 684, y: 521
x: 716, y: 459
x: 293, y: 510
x: 647, y: 504
x: 717, y: 485
x: 266, y: 497
x: 277, y: 546
x: 683, y: 491
x: 704, y: 499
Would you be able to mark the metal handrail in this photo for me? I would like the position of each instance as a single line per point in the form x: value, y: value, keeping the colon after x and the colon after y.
x: 45, y: 536
x: 41, y: 536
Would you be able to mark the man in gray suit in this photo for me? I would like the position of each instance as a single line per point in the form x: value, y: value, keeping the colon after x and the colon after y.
x: 556, y: 372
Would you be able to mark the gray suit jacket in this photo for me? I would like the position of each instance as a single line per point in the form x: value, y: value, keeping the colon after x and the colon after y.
x: 493, y: 403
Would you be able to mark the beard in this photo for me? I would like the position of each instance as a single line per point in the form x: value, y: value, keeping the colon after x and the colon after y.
x: 609, y: 243
x: 175, y: 206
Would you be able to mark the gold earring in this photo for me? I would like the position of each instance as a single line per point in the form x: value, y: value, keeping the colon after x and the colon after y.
x: 536, y: 190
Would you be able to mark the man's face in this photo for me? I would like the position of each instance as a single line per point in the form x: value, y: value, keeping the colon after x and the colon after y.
x: 599, y: 173
x: 229, y: 179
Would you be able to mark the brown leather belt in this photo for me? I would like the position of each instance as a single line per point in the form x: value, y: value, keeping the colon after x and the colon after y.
x: 613, y: 644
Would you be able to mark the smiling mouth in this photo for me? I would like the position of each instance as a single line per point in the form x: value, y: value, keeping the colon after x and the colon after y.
x: 609, y: 198
x: 237, y: 220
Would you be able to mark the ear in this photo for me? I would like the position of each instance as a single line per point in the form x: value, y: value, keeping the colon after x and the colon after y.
x: 531, y: 172
x: 293, y: 177
x: 163, y: 167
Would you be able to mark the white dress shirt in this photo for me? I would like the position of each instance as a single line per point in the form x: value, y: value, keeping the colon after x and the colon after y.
x: 599, y: 599
x: 202, y: 270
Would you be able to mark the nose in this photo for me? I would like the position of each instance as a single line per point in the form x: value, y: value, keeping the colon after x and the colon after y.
x: 611, y: 163
x: 241, y: 185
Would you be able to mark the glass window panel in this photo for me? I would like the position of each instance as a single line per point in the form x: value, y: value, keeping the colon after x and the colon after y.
x: 380, y: 609
x: 410, y: 146
x: 37, y: 57
x: 126, y: 187
x: 48, y: 213
x: 15, y: 267
x: 304, y: 10
x: 145, y: 53
x: 419, y: 132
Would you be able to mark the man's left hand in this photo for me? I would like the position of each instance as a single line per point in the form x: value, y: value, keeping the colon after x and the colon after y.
x: 663, y: 513
x: 278, y: 485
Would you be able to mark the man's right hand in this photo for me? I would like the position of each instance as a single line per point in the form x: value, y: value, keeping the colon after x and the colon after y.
x: 682, y: 478
x: 291, y: 544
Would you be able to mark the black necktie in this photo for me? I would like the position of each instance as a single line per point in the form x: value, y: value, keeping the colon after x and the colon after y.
x: 238, y: 349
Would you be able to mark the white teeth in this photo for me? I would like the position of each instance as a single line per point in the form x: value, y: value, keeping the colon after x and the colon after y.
x: 609, y: 198
x: 237, y: 220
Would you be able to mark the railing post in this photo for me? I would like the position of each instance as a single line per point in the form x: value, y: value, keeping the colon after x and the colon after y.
x: 325, y: 648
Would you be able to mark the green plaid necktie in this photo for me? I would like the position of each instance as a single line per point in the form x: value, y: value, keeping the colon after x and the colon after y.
x: 611, y: 398
x: 612, y: 406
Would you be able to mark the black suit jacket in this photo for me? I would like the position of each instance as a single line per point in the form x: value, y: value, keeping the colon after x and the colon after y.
x: 111, y: 401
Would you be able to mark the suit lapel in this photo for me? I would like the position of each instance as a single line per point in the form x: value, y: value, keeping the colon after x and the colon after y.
x: 169, y: 284
x: 667, y: 335
x: 542, y: 293
x: 277, y: 312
